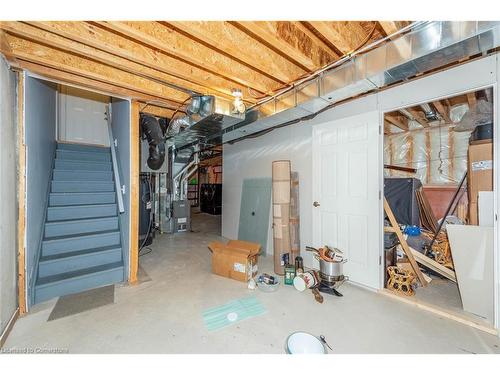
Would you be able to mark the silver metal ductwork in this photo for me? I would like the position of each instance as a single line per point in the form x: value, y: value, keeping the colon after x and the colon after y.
x: 207, y: 117
x: 428, y: 46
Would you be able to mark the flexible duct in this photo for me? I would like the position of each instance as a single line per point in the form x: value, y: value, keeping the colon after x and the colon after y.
x: 153, y: 132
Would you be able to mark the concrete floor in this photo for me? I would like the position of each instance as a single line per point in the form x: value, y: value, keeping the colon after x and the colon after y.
x: 164, y: 315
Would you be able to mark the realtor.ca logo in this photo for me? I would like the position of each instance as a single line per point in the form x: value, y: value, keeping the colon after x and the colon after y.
x: 34, y: 351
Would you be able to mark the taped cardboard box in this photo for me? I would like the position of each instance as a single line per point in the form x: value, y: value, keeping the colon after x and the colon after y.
x: 236, y: 260
x: 480, y: 174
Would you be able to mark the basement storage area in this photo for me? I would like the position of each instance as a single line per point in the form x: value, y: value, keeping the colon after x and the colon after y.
x: 77, y: 213
x: 439, y: 204
x: 329, y: 188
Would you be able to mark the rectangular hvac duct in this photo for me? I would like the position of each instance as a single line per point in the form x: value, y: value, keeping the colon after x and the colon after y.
x: 208, y: 126
x: 428, y: 46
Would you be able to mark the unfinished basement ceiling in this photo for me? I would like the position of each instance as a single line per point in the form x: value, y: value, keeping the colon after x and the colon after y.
x: 163, y: 62
x: 459, y: 110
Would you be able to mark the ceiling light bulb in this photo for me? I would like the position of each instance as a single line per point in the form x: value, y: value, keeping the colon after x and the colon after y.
x: 238, y: 105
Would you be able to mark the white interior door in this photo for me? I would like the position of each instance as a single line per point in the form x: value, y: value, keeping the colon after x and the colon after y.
x: 346, y: 189
x: 82, y: 116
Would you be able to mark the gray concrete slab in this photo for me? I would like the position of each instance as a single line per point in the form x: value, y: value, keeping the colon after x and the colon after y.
x: 164, y: 315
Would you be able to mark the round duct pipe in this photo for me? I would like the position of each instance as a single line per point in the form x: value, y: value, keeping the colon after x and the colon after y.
x: 153, y: 132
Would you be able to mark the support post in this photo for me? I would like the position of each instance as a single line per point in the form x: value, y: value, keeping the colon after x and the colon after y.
x: 134, y: 191
x: 21, y: 196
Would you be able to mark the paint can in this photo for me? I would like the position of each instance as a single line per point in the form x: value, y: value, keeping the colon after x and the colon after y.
x: 289, y: 274
x: 306, y: 280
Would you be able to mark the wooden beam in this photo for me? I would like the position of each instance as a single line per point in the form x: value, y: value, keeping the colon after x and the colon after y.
x: 418, y: 118
x: 89, y: 84
x: 398, y: 121
x: 442, y: 110
x: 439, y: 310
x: 21, y: 194
x: 102, y: 39
x: 345, y: 35
x: 306, y: 29
x: 433, y: 265
x: 43, y: 55
x: 403, y: 243
x: 389, y: 27
x: 156, y: 111
x: 134, y: 192
x: 387, y: 127
x: 471, y: 99
x: 290, y: 41
x: 165, y: 39
x: 38, y: 35
x: 223, y: 37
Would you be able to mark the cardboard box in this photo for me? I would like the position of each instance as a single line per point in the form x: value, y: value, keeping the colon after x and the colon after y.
x: 236, y: 260
x: 480, y: 174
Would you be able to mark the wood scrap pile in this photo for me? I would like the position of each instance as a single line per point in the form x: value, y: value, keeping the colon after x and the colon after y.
x: 440, y: 248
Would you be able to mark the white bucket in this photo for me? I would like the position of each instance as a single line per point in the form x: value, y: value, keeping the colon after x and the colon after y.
x: 304, y: 343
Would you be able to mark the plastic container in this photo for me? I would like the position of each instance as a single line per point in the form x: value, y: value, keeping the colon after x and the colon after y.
x: 269, y: 287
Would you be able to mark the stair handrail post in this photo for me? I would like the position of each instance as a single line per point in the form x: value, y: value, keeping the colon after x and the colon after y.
x: 114, y: 159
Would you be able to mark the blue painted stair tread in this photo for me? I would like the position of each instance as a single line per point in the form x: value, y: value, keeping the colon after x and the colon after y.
x: 81, y: 247
x: 232, y: 312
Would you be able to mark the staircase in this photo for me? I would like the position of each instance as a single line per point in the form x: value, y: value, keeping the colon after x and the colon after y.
x: 81, y: 248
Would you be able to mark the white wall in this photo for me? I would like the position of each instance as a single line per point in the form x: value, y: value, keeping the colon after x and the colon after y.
x: 252, y: 158
x: 8, y: 195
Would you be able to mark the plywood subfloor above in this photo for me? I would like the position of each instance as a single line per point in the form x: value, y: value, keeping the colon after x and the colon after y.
x: 164, y: 61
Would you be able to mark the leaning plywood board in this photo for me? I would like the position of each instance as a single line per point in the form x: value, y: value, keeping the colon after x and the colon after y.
x: 472, y: 251
x: 485, y: 204
x: 433, y: 265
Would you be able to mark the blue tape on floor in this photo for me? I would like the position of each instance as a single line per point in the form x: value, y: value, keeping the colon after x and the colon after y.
x: 232, y: 312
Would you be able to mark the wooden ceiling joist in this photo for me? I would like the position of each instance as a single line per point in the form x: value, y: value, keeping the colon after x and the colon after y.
x: 46, y: 56
x: 159, y: 36
x: 241, y: 46
x: 290, y: 41
x: 346, y: 36
x: 417, y: 117
x: 399, y: 121
x: 189, y: 76
x: 442, y: 110
x: 471, y: 100
x: 90, y: 84
x: 155, y: 110
x: 387, y: 127
x: 169, y: 60
x: 41, y: 36
x: 389, y: 27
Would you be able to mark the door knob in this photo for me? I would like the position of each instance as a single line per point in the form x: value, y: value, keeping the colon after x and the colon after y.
x: 316, y: 204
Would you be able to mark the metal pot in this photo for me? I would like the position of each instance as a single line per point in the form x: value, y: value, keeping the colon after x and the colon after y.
x: 330, y: 268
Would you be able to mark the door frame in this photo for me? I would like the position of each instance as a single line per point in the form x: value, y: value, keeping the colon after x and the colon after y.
x: 465, y: 81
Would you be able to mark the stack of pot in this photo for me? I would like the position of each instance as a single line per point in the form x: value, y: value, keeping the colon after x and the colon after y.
x: 331, y: 261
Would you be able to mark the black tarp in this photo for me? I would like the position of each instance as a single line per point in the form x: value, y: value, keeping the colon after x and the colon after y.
x: 401, y: 196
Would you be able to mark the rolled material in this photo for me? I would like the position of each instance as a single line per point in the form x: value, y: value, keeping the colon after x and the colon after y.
x: 281, y: 170
x: 294, y: 217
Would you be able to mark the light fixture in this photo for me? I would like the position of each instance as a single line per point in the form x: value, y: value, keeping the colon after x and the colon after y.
x: 238, y: 106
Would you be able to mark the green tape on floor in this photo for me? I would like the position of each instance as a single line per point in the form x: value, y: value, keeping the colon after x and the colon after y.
x: 232, y: 312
